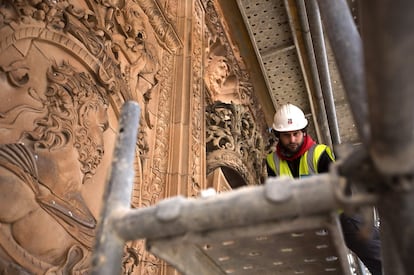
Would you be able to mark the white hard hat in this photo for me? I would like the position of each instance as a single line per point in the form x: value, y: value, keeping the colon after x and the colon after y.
x: 289, y: 118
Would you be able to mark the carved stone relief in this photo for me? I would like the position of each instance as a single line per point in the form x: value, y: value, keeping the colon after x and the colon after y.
x: 50, y: 227
x: 66, y: 67
x: 221, y: 82
x: 224, y: 66
x: 235, y: 129
x: 234, y: 144
x: 52, y: 138
x: 218, y: 181
x: 197, y: 101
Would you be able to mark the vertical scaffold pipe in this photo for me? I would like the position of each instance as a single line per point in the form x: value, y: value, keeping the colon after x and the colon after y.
x: 318, y: 39
x: 388, y: 35
x: 117, y: 198
x: 347, y: 48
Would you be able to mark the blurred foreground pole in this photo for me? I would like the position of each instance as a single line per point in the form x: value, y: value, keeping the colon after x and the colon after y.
x: 388, y: 36
x: 117, y: 198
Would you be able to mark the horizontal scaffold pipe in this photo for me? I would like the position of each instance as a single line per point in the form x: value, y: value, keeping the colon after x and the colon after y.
x: 280, y: 198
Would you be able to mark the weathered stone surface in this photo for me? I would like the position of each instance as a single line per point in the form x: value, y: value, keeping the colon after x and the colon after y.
x: 66, y: 68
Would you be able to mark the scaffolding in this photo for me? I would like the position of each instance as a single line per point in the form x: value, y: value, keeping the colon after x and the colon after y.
x: 290, y: 226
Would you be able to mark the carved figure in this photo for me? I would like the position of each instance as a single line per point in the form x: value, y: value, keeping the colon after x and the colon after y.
x: 45, y: 224
x: 217, y: 72
x: 222, y: 84
x: 135, y: 53
x: 137, y: 56
x: 119, y: 42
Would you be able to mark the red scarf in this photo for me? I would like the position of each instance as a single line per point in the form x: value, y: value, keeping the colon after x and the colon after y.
x: 307, y: 143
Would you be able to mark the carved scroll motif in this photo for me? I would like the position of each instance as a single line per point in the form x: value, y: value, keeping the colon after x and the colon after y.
x: 233, y: 141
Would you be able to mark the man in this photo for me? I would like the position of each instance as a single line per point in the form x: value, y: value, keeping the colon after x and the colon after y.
x: 297, y: 155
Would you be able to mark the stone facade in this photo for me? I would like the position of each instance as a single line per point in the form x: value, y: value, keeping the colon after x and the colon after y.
x: 66, y: 68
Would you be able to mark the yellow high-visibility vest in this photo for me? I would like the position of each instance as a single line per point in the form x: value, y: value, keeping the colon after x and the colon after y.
x: 308, y: 162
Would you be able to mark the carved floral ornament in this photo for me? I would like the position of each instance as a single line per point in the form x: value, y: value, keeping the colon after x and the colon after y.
x: 233, y: 141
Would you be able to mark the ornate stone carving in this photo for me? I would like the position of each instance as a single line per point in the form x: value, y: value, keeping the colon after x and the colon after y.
x: 154, y: 183
x: 234, y: 142
x: 197, y: 102
x: 107, y: 51
x: 222, y: 82
x: 217, y: 72
x: 165, y: 31
x: 121, y: 44
x: 59, y: 113
x: 138, y: 261
x: 235, y: 121
x: 238, y: 85
x: 50, y: 227
x: 133, y: 47
x: 170, y: 8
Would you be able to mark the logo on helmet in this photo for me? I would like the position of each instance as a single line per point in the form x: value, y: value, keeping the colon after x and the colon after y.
x: 289, y: 121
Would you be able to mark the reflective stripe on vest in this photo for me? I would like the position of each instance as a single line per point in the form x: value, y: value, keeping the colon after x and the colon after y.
x: 308, y: 162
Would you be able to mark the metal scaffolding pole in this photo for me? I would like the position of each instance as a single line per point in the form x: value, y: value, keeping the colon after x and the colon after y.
x: 388, y: 43
x: 319, y: 102
x: 279, y: 198
x: 388, y: 36
x: 117, y: 198
x: 388, y: 30
x: 318, y: 40
x: 347, y: 47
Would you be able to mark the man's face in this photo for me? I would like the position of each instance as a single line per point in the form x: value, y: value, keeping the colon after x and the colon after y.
x: 292, y: 140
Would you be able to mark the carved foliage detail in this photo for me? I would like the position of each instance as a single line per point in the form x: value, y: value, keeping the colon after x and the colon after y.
x: 235, y: 120
x: 233, y: 134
